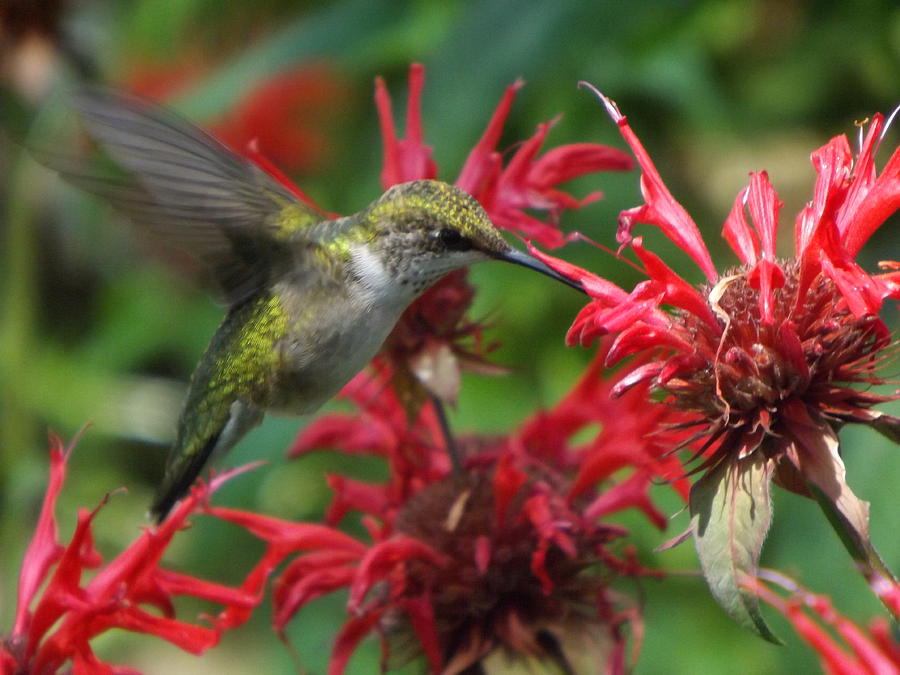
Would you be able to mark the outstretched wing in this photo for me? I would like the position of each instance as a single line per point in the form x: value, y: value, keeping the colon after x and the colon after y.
x: 189, y: 190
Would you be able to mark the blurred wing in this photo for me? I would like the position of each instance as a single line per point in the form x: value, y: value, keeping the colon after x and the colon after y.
x: 189, y: 190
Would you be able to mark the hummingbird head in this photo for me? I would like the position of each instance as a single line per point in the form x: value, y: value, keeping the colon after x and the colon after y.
x: 424, y: 229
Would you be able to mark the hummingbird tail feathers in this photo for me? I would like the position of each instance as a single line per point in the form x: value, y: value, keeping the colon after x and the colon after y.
x: 186, y: 463
x: 179, y: 478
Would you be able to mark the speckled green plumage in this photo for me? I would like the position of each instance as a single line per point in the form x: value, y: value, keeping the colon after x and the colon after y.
x: 239, y: 364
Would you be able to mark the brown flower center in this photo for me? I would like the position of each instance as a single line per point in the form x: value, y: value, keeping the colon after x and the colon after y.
x: 753, y: 367
x: 487, y: 593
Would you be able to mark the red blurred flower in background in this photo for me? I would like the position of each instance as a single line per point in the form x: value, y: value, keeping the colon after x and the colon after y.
x: 505, y: 559
x: 286, y: 117
x: 54, y: 626
x: 769, y: 359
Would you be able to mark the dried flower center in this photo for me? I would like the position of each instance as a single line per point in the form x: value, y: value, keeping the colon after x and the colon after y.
x: 753, y: 367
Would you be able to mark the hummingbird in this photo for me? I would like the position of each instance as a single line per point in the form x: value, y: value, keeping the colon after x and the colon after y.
x: 310, y: 299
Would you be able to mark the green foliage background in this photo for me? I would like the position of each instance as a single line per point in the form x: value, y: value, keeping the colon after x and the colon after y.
x: 94, y: 329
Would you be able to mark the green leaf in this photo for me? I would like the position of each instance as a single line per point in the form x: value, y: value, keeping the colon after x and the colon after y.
x: 730, y: 514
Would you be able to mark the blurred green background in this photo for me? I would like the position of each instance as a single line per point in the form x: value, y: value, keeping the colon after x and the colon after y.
x: 94, y: 329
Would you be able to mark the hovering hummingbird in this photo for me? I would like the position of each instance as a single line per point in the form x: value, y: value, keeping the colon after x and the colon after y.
x: 310, y: 299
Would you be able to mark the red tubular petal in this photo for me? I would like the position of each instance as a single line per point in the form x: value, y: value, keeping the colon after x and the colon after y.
x: 421, y: 616
x: 648, y: 371
x: 514, y: 179
x: 308, y: 563
x: 633, y: 493
x: 191, y: 638
x: 481, y: 161
x: 832, y: 163
x: 381, y: 558
x: 312, y: 585
x: 515, y: 220
x: 415, y: 156
x: 541, y: 516
x: 678, y: 292
x: 660, y: 207
x: 881, y: 201
x: 254, y: 584
x: 289, y: 535
x: 64, y: 592
x: 835, y: 658
x: 349, y: 637
x: 407, y: 159
x: 640, y: 336
x: 566, y: 162
x: 414, y: 133
x: 354, y: 495
x: 508, y: 481
x: 390, y: 170
x: 594, y: 286
x: 737, y: 232
x: 766, y: 276
x: 868, y: 652
x: 348, y: 433
x: 792, y: 348
x: 764, y: 205
x: 174, y: 583
x: 763, y: 202
x: 862, y: 292
x: 482, y: 553
x: 43, y: 549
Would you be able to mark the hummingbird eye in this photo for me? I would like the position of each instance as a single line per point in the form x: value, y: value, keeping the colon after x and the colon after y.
x: 453, y: 239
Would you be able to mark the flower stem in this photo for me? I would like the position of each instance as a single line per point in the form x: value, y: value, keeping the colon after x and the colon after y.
x: 858, y: 545
x: 449, y: 440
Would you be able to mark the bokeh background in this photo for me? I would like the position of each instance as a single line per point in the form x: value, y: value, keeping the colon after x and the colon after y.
x: 95, y: 328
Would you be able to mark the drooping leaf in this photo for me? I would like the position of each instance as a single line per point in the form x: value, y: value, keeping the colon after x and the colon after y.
x: 731, y: 510
x: 818, y: 459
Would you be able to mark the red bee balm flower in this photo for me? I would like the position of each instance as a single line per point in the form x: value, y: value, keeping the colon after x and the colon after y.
x: 768, y: 358
x: 433, y: 339
x: 505, y: 559
x: 58, y: 613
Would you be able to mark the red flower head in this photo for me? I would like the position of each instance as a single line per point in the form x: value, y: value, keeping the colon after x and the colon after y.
x: 433, y: 338
x: 506, y: 558
x: 55, y: 627
x: 766, y: 359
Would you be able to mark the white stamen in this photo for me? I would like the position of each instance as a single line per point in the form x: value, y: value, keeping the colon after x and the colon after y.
x: 611, y: 108
x: 887, y: 124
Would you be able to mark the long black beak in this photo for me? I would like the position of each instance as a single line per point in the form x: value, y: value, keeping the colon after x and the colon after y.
x: 518, y: 257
